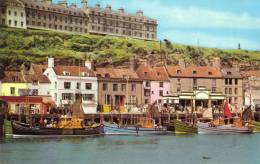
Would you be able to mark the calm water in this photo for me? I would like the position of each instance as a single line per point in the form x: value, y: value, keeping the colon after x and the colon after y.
x: 230, y: 149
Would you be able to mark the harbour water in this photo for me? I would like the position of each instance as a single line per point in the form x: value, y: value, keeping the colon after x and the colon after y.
x: 168, y: 149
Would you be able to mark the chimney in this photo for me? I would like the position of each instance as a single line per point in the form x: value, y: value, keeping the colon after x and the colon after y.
x: 63, y: 3
x: 140, y: 13
x: 182, y: 63
x: 50, y: 62
x: 121, y: 10
x: 88, y: 64
x: 108, y: 7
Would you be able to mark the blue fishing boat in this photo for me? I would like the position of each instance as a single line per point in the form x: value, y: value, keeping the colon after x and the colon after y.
x: 143, y: 127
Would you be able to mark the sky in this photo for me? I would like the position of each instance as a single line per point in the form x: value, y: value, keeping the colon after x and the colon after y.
x: 205, y: 23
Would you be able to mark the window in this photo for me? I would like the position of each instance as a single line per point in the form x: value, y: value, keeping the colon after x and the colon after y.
x: 194, y: 82
x: 214, y: 89
x: 133, y: 87
x: 209, y: 73
x: 78, y: 85
x: 9, y: 22
x: 133, y: 100
x: 115, y: 87
x: 123, y: 87
x: 9, y: 12
x: 3, y: 21
x: 67, y: 85
x: 146, y: 101
x: 161, y: 93
x: 107, y: 99
x: 236, y: 91
x: 158, y: 74
x: 145, y: 74
x: 230, y: 81
x: 236, y: 81
x: 147, y: 84
x: 104, y: 86
x: 226, y: 81
x: 178, y: 71
x: 35, y: 82
x: 88, y: 85
x: 178, y: 89
x: 226, y: 90
x: 35, y: 92
x: 67, y: 96
x: 55, y: 85
x: 15, y: 23
x: 161, y: 84
x: 194, y: 72
x: 22, y: 14
x: 21, y: 24
x: 230, y: 91
x: 12, y: 90
x: 88, y: 97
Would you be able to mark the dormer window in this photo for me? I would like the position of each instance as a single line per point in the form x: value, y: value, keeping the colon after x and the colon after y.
x: 158, y: 74
x: 229, y: 73
x: 210, y: 73
x: 194, y: 72
x: 107, y: 75
x: 178, y: 71
x: 145, y: 74
x: 98, y: 75
x: 66, y: 73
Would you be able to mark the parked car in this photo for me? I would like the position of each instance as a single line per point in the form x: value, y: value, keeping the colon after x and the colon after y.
x: 257, y: 107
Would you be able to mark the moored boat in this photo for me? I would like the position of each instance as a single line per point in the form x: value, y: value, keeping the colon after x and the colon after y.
x: 208, y: 128
x: 144, y: 126
x: 184, y: 128
x: 24, y: 129
x: 256, y: 126
x: 19, y: 128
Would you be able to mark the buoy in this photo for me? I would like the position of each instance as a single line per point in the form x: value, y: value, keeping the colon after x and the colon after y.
x: 205, y: 157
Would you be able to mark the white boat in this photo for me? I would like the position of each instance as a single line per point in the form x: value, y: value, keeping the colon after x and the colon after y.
x: 206, y: 128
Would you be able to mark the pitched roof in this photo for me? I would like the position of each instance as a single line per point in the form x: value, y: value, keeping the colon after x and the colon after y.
x: 230, y: 73
x: 73, y: 71
x: 39, y: 69
x: 202, y: 71
x: 36, y: 77
x: 13, y: 76
x: 152, y: 73
x: 117, y: 73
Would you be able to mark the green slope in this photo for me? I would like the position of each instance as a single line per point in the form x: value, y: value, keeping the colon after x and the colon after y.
x: 18, y: 46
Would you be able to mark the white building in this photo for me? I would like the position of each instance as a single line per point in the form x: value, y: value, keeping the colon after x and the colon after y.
x: 71, y: 83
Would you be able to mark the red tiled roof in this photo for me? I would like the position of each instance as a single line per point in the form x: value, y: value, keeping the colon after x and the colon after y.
x: 152, y: 73
x: 202, y: 71
x: 13, y: 76
x: 116, y: 73
x: 39, y: 69
x: 73, y: 71
x: 40, y: 78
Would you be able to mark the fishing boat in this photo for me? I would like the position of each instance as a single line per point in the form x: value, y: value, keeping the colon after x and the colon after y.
x: 184, y: 127
x: 144, y: 126
x: 223, y: 125
x: 68, y: 126
x: 256, y: 126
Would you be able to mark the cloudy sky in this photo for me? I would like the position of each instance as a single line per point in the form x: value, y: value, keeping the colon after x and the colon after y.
x: 210, y: 23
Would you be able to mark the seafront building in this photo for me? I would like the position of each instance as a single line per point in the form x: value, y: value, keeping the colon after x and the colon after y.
x: 120, y: 90
x: 43, y: 14
x: 73, y: 83
x: 133, y: 89
x: 156, y: 83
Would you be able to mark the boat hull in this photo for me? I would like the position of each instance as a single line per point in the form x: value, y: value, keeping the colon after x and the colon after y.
x: 23, y: 129
x: 115, y: 130
x: 256, y: 126
x: 183, y: 128
x: 204, y: 128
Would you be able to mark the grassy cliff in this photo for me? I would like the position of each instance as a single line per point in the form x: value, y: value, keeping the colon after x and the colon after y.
x: 18, y: 46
